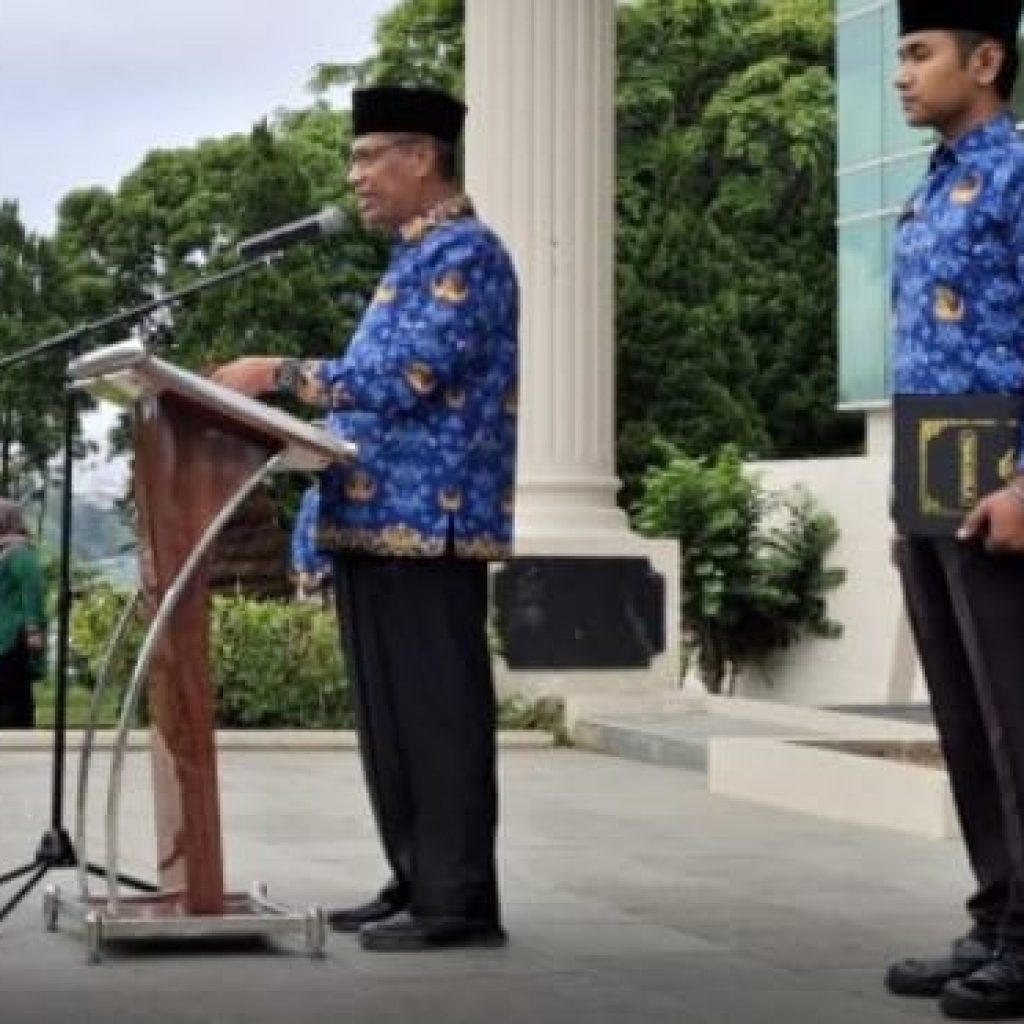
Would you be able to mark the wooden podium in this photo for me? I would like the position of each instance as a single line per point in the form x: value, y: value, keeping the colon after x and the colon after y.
x: 200, y: 451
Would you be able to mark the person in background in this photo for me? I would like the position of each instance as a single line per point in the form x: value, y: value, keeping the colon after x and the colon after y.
x: 22, y: 619
x: 427, y: 389
x: 958, y: 299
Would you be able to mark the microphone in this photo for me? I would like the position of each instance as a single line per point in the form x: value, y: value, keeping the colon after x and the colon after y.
x: 329, y: 221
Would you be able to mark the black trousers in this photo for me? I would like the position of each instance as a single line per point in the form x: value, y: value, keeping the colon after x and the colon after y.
x: 967, y: 613
x: 415, y: 641
x: 17, y: 706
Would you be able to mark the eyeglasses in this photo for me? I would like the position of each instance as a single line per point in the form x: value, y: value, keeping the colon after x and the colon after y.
x: 371, y: 154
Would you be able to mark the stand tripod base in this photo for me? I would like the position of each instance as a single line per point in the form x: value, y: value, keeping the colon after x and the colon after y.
x: 161, y: 917
x: 55, y: 851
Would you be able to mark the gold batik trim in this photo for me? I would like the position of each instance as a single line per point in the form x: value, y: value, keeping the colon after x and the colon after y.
x: 404, y: 540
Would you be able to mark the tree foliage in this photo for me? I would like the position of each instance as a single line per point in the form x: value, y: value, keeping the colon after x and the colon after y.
x: 178, y: 217
x: 419, y: 42
x: 34, y: 304
x: 726, y: 244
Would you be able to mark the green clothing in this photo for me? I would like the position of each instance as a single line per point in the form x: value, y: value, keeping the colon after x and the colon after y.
x: 21, y: 594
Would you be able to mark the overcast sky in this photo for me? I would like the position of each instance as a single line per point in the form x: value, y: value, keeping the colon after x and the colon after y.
x: 88, y: 87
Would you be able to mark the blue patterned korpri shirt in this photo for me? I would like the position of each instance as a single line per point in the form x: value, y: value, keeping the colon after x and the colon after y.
x: 427, y: 390
x: 305, y: 559
x: 958, y: 281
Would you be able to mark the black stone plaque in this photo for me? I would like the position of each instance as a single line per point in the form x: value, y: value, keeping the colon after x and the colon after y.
x: 579, y: 613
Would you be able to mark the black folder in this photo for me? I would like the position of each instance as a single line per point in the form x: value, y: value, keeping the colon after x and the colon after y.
x: 950, y: 451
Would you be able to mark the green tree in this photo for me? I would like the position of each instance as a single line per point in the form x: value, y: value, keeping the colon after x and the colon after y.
x: 34, y: 303
x: 419, y: 42
x: 177, y: 218
x: 726, y: 244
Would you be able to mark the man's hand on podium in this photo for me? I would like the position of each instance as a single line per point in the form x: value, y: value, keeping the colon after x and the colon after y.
x: 252, y: 375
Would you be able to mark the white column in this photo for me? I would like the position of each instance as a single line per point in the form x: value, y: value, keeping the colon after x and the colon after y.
x: 540, y: 164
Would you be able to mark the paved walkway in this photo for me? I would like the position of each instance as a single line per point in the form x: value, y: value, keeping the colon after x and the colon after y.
x: 632, y: 896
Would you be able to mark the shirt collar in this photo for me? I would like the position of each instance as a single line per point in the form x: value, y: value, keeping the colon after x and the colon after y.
x: 454, y: 208
x: 991, y: 134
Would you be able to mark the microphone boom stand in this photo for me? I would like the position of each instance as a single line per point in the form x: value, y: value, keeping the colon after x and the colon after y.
x: 55, y: 848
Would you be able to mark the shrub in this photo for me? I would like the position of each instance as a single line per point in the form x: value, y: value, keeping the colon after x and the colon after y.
x: 277, y: 664
x: 753, y: 572
x: 274, y: 664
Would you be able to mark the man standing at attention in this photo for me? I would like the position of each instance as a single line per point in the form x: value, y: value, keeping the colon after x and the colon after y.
x: 427, y: 391
x: 958, y: 293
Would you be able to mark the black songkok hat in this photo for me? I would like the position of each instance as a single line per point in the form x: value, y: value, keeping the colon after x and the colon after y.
x: 997, y: 18
x: 414, y: 111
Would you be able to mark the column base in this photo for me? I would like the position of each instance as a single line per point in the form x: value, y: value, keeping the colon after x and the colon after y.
x: 560, y: 508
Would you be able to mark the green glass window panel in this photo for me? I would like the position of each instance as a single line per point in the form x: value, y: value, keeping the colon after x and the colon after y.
x: 897, y: 135
x: 860, y: 192
x: 888, y: 245
x: 860, y: 88
x: 863, y: 345
x: 1017, y: 99
x: 846, y: 7
x: 900, y: 178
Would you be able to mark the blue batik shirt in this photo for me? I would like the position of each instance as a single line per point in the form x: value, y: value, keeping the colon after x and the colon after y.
x: 427, y: 390
x: 958, y: 281
x: 305, y: 558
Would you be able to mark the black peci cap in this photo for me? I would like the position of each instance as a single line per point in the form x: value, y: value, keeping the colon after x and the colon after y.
x: 390, y: 108
x: 997, y: 18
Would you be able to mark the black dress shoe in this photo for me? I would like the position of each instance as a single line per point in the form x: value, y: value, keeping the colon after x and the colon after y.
x: 992, y: 992
x: 407, y: 934
x: 350, y: 919
x: 927, y: 977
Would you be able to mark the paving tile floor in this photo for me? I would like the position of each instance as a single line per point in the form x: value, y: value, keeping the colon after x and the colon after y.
x: 631, y: 895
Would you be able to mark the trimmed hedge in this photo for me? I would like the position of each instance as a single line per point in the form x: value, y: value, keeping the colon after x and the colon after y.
x: 275, y: 664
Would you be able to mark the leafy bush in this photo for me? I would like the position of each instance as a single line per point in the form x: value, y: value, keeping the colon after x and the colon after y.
x: 274, y: 664
x: 753, y: 570
x: 277, y: 664
x: 95, y: 613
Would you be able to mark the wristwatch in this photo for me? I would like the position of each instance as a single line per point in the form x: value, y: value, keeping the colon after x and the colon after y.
x: 286, y: 376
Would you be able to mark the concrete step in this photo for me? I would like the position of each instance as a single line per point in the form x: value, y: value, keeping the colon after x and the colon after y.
x: 677, y: 729
x: 678, y: 740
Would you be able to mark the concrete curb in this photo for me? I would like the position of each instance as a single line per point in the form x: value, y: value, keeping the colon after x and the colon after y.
x: 26, y: 740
